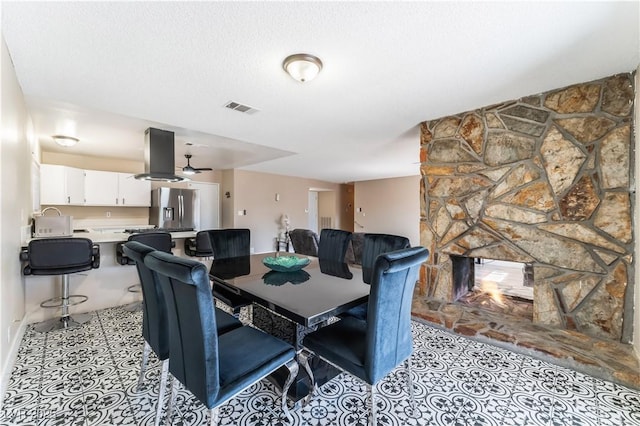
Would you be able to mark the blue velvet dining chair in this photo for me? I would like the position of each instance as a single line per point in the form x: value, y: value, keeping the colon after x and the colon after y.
x: 304, y: 241
x: 225, y: 244
x: 333, y: 244
x: 158, y: 240
x: 213, y: 367
x: 374, y: 245
x: 154, y: 319
x: 370, y: 349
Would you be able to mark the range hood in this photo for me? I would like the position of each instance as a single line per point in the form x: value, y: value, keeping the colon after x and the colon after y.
x: 159, y: 157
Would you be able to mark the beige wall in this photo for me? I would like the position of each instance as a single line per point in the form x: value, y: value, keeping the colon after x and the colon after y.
x: 389, y: 206
x: 93, y: 163
x: 347, y: 208
x: 15, y: 208
x: 327, y: 206
x: 226, y: 202
x: 256, y: 193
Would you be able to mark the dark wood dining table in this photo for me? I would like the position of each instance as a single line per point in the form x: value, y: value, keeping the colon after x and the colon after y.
x: 291, y: 304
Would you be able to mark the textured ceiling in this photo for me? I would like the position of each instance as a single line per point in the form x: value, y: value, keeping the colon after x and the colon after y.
x: 107, y: 71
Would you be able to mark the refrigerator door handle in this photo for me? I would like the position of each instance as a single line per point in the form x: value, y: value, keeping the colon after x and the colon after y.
x: 180, y: 209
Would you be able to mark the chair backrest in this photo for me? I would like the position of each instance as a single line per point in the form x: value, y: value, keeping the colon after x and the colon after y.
x: 354, y: 251
x: 388, y: 341
x: 230, y: 242
x: 375, y: 245
x: 157, y: 240
x: 337, y: 269
x: 203, y: 244
x: 154, y: 311
x: 304, y: 241
x: 333, y: 244
x: 59, y: 256
x: 193, y: 338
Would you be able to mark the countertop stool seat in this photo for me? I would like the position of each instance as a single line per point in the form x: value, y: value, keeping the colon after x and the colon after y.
x: 61, y: 256
x: 159, y: 240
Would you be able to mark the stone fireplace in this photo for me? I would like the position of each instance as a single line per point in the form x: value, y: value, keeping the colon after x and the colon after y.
x: 546, y: 181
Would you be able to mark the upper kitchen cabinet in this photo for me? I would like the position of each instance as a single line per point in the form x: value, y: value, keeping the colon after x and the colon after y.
x: 116, y: 189
x: 60, y: 185
x: 133, y: 192
x: 100, y: 188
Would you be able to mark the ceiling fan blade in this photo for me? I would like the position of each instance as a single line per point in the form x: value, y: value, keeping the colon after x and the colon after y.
x: 189, y: 169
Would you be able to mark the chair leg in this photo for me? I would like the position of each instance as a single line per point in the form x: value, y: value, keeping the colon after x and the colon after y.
x: 303, y: 359
x: 372, y: 405
x: 292, y: 366
x: 143, y: 365
x: 161, y: 390
x: 407, y: 366
x: 173, y: 391
x: 214, y: 416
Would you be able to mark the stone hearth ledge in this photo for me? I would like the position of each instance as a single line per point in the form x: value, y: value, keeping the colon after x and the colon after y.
x: 600, y: 358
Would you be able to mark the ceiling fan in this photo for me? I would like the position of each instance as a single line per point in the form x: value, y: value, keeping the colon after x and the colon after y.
x: 189, y: 170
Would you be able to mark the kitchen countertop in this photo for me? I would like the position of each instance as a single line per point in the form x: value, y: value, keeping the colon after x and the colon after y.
x: 117, y: 236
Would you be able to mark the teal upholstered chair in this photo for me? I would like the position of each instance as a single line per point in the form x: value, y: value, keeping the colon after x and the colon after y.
x: 333, y: 244
x: 374, y: 245
x: 154, y: 318
x: 370, y: 349
x: 213, y: 367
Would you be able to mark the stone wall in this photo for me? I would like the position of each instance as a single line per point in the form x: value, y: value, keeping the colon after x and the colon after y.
x: 544, y: 180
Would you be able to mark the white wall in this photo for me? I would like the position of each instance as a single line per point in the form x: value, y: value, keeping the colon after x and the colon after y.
x: 15, y: 208
x: 389, y: 206
x: 636, y: 222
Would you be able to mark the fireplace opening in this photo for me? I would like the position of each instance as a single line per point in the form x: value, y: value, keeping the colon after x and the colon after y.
x: 496, y: 285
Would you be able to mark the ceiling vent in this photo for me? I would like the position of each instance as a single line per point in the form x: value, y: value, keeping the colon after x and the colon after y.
x: 241, y: 108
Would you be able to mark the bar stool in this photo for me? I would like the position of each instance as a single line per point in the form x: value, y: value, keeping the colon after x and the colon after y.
x: 61, y: 256
x: 157, y: 240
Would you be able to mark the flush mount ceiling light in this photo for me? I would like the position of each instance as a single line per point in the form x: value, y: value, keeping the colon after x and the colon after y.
x: 65, y: 140
x: 302, y: 66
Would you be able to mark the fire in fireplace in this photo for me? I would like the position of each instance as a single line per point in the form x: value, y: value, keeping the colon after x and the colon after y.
x: 499, y: 286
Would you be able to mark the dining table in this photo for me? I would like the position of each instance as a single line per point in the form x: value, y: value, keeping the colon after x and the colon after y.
x: 291, y: 303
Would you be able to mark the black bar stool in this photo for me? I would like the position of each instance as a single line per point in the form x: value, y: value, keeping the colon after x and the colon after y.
x: 158, y: 240
x: 61, y: 256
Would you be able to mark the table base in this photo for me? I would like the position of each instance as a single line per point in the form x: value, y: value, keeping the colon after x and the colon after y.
x: 279, y: 326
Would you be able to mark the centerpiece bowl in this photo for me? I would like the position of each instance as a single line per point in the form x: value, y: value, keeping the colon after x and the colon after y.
x: 285, y: 263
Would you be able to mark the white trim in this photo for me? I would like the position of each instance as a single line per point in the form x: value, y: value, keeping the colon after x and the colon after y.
x: 7, y: 368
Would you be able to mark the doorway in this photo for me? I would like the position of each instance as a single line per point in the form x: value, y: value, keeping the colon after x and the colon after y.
x: 312, y: 216
x: 209, y: 204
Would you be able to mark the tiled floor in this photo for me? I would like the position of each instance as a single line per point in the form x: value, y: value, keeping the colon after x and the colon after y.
x: 87, y: 376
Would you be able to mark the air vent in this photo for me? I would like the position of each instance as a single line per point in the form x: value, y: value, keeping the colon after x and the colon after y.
x: 241, y: 108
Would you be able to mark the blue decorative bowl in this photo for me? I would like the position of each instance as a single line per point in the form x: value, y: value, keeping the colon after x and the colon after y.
x: 285, y: 263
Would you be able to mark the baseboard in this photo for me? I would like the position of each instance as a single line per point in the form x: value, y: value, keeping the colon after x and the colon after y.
x: 7, y: 368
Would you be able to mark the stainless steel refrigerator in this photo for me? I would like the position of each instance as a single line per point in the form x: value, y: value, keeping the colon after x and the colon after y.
x: 175, y: 208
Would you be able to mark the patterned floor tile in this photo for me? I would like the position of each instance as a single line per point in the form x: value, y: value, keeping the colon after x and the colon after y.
x: 88, y: 376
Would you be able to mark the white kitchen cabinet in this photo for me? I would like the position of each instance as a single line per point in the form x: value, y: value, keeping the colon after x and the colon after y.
x: 116, y: 189
x: 133, y: 192
x: 61, y: 185
x: 100, y: 188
